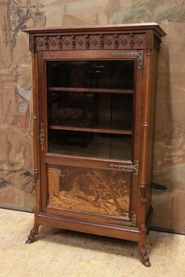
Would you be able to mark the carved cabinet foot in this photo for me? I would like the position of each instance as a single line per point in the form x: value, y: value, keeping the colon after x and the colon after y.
x: 144, y: 256
x: 31, y: 236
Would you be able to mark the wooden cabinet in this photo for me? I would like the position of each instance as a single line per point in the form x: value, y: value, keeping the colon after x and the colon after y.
x: 94, y: 107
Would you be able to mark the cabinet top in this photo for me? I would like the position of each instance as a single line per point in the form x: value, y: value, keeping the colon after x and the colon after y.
x: 110, y: 37
x: 140, y: 27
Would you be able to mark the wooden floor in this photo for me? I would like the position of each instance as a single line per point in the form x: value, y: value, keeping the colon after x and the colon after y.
x: 58, y: 253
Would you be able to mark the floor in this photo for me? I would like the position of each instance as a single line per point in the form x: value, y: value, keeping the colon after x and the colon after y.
x: 58, y: 253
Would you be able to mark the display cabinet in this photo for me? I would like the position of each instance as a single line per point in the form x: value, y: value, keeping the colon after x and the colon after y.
x: 93, y: 114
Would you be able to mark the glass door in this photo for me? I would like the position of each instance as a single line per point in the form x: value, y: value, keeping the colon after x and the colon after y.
x: 90, y: 126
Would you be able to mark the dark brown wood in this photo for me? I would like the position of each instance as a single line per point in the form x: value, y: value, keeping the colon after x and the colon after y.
x: 134, y: 27
x: 93, y: 121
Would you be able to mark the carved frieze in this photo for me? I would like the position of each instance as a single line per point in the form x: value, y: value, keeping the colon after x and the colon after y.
x: 95, y: 42
x: 92, y: 42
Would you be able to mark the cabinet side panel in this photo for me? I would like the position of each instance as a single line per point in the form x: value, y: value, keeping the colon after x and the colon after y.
x: 145, y: 130
x: 152, y: 105
x: 36, y: 132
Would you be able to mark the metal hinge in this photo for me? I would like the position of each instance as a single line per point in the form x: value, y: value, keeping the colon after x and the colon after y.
x: 132, y: 221
x: 36, y: 175
x: 41, y: 136
x: 130, y: 54
x: 127, y: 166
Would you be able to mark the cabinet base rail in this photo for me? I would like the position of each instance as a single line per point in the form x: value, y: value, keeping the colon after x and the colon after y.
x: 119, y: 232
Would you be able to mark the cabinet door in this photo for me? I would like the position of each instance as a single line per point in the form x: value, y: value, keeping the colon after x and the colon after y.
x: 88, y: 158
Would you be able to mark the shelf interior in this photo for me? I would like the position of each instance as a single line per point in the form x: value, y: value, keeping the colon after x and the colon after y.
x: 90, y: 108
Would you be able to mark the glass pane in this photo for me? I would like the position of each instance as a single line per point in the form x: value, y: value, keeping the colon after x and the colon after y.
x: 90, y: 144
x: 91, y: 74
x: 90, y: 108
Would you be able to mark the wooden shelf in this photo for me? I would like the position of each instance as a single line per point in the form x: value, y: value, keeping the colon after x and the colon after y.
x: 105, y: 130
x: 98, y: 90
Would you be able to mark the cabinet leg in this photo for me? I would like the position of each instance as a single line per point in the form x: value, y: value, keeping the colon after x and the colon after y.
x: 33, y: 233
x: 142, y: 249
x: 144, y: 256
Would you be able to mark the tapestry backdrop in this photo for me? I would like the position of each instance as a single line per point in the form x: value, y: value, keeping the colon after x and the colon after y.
x: 16, y: 155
